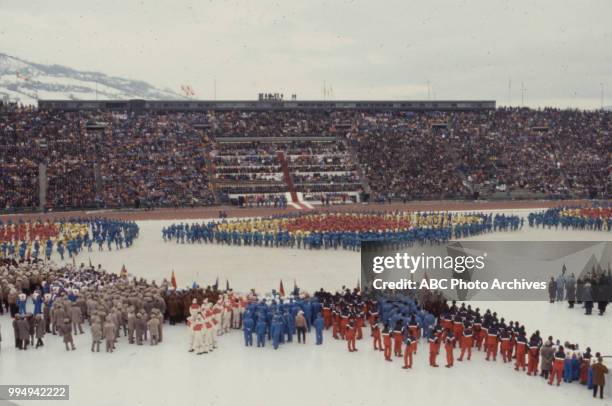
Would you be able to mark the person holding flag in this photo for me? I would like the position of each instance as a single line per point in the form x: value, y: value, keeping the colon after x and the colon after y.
x: 173, y: 280
x: 281, y: 289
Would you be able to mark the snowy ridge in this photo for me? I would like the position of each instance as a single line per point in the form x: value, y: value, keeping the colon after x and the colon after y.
x: 25, y: 82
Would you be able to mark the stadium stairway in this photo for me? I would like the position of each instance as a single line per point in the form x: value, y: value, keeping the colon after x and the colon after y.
x: 280, y: 155
x: 355, y: 158
x: 210, y: 168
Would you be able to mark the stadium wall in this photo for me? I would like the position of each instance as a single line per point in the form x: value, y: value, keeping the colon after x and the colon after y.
x: 266, y: 105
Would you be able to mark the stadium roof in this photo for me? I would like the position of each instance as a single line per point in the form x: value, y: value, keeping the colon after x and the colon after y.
x: 264, y: 105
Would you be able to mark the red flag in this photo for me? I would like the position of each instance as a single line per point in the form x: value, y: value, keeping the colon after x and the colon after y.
x: 281, y: 290
x: 173, y: 280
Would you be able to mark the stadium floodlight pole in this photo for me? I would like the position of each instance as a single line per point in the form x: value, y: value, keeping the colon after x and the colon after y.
x: 509, y: 91
x: 324, y: 89
x: 602, y: 95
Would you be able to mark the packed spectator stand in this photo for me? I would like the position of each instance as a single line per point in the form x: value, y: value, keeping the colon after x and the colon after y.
x: 99, y: 158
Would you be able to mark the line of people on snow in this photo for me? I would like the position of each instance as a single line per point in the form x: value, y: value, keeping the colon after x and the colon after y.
x: 341, y: 230
x: 25, y: 240
x: 597, y: 217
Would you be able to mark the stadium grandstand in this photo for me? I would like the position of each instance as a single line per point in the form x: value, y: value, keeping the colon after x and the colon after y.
x: 70, y: 154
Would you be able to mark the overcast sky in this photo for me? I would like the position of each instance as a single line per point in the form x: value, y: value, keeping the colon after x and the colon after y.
x: 376, y: 49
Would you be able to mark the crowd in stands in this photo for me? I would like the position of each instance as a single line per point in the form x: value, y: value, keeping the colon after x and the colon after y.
x: 550, y: 152
x: 259, y: 166
x: 111, y: 159
x: 103, y: 159
x: 271, y: 124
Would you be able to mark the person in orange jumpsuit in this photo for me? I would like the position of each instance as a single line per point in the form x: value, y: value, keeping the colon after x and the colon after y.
x: 449, y: 345
x: 557, y: 366
x: 521, y: 349
x: 533, y: 355
x: 409, y: 350
x: 386, y: 338
x: 398, y: 339
x: 344, y: 318
x: 350, y: 334
x: 477, y: 332
x: 484, y: 332
x: 504, y: 338
x: 492, y: 340
x: 377, y: 337
x: 513, y: 329
x: 434, y: 349
x: 415, y: 331
x: 446, y: 322
x: 457, y: 329
x: 466, y: 342
x: 335, y: 324
x: 327, y: 315
x: 373, y: 316
x: 585, y: 365
x: 359, y: 323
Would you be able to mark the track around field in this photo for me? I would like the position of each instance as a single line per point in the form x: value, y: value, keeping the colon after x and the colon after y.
x: 232, y: 211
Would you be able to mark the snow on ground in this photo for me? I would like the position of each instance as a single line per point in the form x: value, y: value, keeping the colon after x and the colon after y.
x: 296, y: 374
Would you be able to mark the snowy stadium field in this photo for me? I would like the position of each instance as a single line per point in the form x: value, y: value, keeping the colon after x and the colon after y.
x: 293, y: 374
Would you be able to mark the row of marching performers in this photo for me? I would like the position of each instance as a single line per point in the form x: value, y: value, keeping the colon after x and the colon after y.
x: 575, y: 218
x: 397, y: 326
x: 316, y: 231
x: 35, y: 240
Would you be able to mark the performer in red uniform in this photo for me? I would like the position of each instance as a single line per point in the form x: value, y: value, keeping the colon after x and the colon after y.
x: 585, y: 365
x: 434, y: 349
x: 344, y: 318
x: 534, y: 355
x: 359, y: 323
x: 449, y: 345
x: 457, y: 329
x: 492, y: 340
x: 521, y: 349
x: 477, y: 332
x: 386, y: 337
x: 377, y: 337
x: 414, y: 328
x: 335, y: 324
x: 327, y: 315
x: 506, y: 352
x: 482, y: 339
x: 466, y: 342
x: 397, y: 340
x: 350, y: 336
x: 557, y: 366
x: 373, y: 314
x: 409, y: 350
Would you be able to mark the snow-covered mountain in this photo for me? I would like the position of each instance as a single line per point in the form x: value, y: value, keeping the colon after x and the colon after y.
x: 25, y: 82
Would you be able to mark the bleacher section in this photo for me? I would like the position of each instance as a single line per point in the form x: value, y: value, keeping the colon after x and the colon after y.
x: 68, y: 159
x: 316, y: 169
